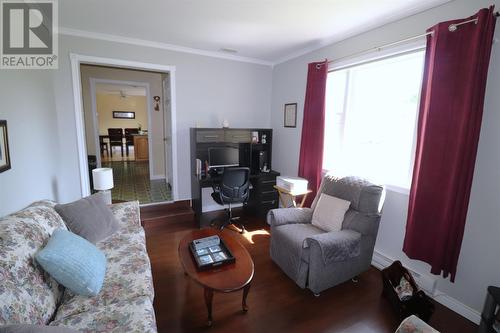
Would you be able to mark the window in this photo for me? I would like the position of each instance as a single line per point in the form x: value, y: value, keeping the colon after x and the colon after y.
x: 370, y: 121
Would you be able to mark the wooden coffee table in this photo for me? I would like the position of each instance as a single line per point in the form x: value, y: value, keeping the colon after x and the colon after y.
x: 225, y: 279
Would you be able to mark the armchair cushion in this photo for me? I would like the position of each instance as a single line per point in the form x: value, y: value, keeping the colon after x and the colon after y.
x: 329, y: 212
x: 336, y: 245
x: 281, y: 216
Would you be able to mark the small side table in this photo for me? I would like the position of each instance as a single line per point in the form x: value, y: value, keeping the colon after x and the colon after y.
x: 293, y: 195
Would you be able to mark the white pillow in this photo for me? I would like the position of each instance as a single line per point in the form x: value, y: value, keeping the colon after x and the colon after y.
x: 329, y: 212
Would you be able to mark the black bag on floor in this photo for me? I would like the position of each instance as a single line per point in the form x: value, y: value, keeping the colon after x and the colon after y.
x: 404, y: 294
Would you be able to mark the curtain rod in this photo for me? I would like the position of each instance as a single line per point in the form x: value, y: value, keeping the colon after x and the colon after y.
x: 452, y: 27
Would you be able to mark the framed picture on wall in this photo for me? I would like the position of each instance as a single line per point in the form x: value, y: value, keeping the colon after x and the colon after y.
x: 291, y: 115
x: 124, y: 114
x: 4, y: 147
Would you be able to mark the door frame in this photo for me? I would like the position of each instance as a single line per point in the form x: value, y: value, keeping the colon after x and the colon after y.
x: 168, y: 137
x: 149, y: 110
x: 76, y: 61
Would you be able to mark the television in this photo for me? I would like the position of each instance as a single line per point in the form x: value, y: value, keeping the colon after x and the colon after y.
x: 220, y: 157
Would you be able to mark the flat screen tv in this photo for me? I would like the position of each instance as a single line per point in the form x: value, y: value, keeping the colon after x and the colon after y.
x: 220, y: 157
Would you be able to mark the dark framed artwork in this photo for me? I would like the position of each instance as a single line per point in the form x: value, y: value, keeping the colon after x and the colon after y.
x: 290, y: 117
x: 124, y: 114
x: 4, y: 147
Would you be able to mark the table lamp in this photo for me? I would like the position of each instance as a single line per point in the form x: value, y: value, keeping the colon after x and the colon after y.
x: 103, y: 182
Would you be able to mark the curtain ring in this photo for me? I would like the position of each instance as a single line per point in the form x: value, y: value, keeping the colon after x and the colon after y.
x: 318, y: 65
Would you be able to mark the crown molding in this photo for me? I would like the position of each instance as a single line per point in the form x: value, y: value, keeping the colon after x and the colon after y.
x: 423, y: 6
x: 159, y: 45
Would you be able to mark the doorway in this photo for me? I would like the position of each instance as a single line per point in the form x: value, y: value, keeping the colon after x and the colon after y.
x: 139, y: 102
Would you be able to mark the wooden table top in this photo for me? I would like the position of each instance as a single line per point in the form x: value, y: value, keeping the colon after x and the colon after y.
x: 226, y: 278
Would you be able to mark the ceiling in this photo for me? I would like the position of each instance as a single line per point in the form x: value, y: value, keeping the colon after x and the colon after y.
x: 118, y: 89
x: 268, y: 31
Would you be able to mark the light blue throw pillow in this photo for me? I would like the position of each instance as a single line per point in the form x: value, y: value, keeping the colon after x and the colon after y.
x: 74, y: 262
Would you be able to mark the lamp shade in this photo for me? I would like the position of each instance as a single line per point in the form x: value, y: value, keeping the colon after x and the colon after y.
x: 103, y: 179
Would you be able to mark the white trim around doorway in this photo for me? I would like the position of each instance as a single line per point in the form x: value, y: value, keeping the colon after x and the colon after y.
x: 76, y: 61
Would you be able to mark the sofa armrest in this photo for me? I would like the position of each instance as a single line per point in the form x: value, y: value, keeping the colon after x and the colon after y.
x: 127, y: 213
x: 413, y: 324
x: 281, y: 216
x: 335, y: 246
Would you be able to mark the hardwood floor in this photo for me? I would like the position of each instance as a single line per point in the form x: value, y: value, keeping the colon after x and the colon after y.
x: 276, y: 303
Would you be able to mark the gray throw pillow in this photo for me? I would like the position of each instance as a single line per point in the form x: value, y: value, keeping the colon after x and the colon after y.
x: 90, y: 218
x: 26, y: 328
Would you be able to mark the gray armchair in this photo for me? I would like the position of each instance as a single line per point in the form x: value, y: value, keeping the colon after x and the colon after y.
x: 317, y: 259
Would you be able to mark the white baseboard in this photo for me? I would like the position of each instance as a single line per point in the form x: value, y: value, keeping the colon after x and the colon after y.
x: 460, y: 308
x: 156, y: 177
x: 382, y: 261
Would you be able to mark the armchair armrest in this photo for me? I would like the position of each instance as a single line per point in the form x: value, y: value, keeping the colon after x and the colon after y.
x: 336, y: 245
x: 127, y: 213
x: 281, y: 216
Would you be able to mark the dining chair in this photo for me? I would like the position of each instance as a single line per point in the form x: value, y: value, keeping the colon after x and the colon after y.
x: 129, y: 138
x: 115, y: 139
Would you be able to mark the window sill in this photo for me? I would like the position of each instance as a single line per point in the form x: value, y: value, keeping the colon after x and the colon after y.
x: 397, y: 189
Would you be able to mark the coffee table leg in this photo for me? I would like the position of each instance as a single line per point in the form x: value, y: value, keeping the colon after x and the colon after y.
x: 209, y: 295
x: 245, y: 294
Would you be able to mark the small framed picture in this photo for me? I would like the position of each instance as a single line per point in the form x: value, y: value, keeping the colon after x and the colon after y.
x: 291, y: 115
x: 124, y: 114
x: 4, y: 147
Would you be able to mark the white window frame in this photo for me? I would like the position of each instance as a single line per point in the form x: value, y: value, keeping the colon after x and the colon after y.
x: 381, y: 54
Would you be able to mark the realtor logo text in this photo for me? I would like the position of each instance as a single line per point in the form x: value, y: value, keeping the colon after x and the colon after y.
x: 28, y: 34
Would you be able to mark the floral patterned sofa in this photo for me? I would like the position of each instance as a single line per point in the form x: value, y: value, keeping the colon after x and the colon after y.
x: 28, y: 295
x: 413, y: 324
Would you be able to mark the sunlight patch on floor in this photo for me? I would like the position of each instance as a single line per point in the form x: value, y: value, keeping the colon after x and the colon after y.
x: 250, y: 234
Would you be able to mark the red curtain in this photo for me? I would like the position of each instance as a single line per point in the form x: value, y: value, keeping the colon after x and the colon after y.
x: 313, y: 127
x: 451, y: 108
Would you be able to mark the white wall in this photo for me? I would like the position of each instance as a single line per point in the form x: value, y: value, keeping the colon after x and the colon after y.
x: 107, y: 103
x: 208, y: 90
x: 478, y: 265
x: 27, y: 103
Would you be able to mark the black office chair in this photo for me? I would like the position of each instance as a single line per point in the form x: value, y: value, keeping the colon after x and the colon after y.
x: 234, y: 187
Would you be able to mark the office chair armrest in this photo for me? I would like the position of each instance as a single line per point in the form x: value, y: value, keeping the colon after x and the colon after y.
x: 281, y: 216
x: 216, y: 187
